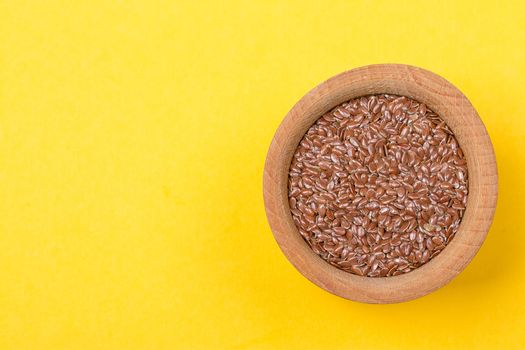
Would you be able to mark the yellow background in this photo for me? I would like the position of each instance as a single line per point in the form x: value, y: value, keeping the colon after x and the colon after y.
x: 132, y: 142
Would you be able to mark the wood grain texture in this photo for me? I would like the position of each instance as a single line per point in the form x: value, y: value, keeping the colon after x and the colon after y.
x: 444, y: 99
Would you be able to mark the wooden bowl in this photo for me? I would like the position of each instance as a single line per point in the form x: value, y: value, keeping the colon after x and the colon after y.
x: 444, y: 99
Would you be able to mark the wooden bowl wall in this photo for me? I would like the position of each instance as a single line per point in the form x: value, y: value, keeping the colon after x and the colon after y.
x: 444, y: 99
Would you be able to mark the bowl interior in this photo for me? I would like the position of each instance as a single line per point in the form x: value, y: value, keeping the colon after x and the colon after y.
x: 444, y: 99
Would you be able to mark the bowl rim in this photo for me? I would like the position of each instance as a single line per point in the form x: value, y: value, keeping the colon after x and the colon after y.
x: 459, y: 114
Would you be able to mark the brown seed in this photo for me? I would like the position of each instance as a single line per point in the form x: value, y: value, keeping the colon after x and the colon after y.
x: 339, y: 231
x: 437, y: 240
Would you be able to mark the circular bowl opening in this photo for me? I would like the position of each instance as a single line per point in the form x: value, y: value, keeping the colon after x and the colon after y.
x: 455, y: 109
